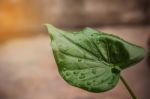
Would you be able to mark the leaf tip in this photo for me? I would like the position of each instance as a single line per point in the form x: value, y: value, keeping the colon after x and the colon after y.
x: 50, y: 29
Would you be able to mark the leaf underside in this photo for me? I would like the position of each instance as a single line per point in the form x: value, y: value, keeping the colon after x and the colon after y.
x: 90, y: 59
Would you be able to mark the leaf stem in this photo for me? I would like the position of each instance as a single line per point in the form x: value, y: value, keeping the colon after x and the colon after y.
x: 128, y: 88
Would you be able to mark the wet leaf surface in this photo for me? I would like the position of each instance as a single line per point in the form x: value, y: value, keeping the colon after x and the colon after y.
x: 90, y: 59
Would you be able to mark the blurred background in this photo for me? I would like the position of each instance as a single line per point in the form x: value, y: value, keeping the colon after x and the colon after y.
x: 27, y: 66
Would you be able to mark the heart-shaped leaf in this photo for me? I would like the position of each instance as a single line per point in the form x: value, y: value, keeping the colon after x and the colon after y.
x: 92, y: 60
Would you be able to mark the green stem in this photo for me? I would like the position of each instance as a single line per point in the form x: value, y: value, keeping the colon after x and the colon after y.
x: 128, y: 88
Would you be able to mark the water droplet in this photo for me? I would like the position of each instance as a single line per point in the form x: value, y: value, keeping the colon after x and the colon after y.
x: 65, y: 50
x: 75, y: 72
x: 100, y: 59
x: 64, y: 68
x: 79, y: 85
x: 88, y: 83
x: 102, y: 81
x: 81, y: 76
x: 61, y: 63
x: 67, y: 73
x: 84, y: 56
x: 110, y: 83
x: 93, y: 71
x: 93, y: 80
x: 98, y: 41
x: 115, y: 70
x: 79, y: 60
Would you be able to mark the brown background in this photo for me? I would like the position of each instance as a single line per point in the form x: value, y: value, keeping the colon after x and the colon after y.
x: 27, y: 66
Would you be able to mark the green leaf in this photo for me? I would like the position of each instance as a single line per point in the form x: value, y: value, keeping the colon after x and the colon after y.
x: 92, y: 60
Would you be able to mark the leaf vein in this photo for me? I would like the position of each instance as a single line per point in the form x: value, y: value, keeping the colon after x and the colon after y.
x: 79, y: 46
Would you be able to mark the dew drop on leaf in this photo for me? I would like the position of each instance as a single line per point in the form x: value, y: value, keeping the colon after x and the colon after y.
x: 79, y: 60
x: 75, y: 72
x: 99, y: 59
x: 88, y: 83
x: 93, y: 80
x: 67, y: 73
x: 115, y: 70
x: 93, y: 71
x: 64, y: 69
x: 82, y: 76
